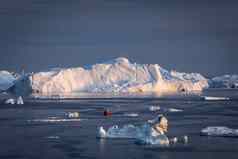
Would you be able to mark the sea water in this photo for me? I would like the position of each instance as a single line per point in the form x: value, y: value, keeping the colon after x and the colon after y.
x: 24, y: 135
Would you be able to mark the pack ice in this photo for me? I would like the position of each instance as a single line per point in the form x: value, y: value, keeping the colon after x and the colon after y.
x: 118, y: 75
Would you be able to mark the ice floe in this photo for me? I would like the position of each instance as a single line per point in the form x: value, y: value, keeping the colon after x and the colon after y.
x: 131, y: 114
x: 72, y: 114
x: 154, y: 108
x: 10, y: 101
x: 215, y: 98
x: 174, y: 110
x: 161, y: 109
x: 219, y: 131
x: 143, y: 134
x: 54, y: 120
x: 18, y: 101
x: 53, y: 137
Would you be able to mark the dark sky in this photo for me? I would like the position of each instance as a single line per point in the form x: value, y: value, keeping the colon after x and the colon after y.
x: 186, y: 35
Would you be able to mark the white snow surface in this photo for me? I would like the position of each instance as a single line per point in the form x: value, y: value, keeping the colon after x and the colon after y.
x: 219, y: 131
x: 6, y: 80
x: 118, y: 75
x: 225, y: 81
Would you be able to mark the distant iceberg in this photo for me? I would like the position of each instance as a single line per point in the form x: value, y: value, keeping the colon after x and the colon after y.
x: 118, y: 75
x: 225, y: 81
x: 219, y: 131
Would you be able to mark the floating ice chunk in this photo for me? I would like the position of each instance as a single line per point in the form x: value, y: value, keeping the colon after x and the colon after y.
x: 53, y: 120
x: 10, y: 101
x: 20, y: 100
x: 185, y: 139
x: 174, y: 140
x: 219, y: 131
x: 53, y: 137
x: 101, y: 132
x: 72, y: 114
x: 143, y: 134
x: 158, y: 108
x: 154, y: 108
x: 131, y: 114
x: 215, y: 98
x: 174, y: 110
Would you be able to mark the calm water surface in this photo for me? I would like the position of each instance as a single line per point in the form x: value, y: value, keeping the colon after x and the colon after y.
x: 24, y: 134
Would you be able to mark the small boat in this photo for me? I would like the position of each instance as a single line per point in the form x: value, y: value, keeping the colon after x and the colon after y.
x: 107, y: 113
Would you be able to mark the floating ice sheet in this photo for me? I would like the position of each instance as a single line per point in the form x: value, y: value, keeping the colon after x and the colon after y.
x: 53, y: 120
x: 215, y: 98
x: 131, y: 114
x: 174, y: 110
x: 219, y: 131
x: 53, y: 137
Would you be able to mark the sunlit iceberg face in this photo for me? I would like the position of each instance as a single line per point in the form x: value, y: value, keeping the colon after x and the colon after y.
x: 118, y: 75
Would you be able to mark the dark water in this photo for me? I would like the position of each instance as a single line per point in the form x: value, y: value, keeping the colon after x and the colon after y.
x: 22, y: 137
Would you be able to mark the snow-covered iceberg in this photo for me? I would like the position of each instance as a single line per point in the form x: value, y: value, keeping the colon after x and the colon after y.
x: 118, y: 75
x: 219, y: 131
x: 225, y: 81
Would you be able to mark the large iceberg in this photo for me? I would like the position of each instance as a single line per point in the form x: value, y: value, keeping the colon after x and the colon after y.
x: 225, y: 81
x: 118, y: 75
